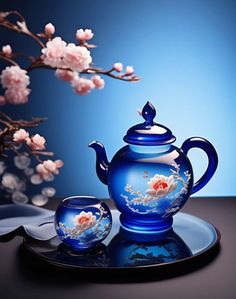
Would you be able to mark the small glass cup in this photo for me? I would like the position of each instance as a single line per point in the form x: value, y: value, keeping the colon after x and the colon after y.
x: 82, y: 222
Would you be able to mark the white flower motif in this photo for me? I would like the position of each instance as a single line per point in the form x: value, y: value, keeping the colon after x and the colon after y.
x: 84, y: 220
x: 159, y: 186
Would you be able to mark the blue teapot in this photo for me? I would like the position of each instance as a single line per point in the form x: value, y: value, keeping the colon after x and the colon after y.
x: 150, y: 179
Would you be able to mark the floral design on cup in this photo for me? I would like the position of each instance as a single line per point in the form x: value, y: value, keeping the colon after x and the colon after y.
x: 82, y: 223
x: 84, y: 220
x: 158, y: 191
x: 160, y: 186
x: 87, y: 226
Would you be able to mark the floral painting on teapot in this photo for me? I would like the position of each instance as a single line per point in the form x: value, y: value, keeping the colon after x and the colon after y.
x: 160, y: 190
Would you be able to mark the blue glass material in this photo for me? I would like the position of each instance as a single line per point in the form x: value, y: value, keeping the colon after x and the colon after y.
x: 102, y: 163
x: 82, y: 222
x: 212, y: 159
x: 150, y: 180
x: 149, y: 132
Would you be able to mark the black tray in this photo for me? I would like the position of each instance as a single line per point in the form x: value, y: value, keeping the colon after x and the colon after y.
x: 189, y: 239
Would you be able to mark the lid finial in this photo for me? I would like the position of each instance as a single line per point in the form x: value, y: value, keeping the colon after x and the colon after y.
x: 149, y: 113
x: 149, y: 132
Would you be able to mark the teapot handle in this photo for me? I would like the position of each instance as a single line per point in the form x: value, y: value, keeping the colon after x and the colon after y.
x: 208, y: 148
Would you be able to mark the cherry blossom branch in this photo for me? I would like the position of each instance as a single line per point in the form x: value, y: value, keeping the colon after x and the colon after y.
x: 38, y: 153
x: 72, y: 63
x: 16, y: 124
x: 36, y: 121
x: 90, y: 71
x: 124, y: 77
x: 12, y: 138
x: 7, y: 117
x: 19, y: 54
x: 11, y: 61
x: 69, y: 60
x: 12, y: 126
x: 20, y: 26
x: 7, y: 124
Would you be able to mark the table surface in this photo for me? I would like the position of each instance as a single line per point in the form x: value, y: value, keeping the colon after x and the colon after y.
x: 21, y: 276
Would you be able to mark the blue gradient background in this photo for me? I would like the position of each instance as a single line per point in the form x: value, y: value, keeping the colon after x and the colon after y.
x: 183, y: 50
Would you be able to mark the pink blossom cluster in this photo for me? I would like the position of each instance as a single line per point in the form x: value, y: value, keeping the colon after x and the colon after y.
x: 70, y: 60
x: 58, y: 54
x: 81, y: 85
x: 48, y: 167
x: 15, y: 80
x: 118, y: 67
x: 35, y: 142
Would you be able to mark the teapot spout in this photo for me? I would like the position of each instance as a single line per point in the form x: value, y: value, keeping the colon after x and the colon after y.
x: 102, y: 164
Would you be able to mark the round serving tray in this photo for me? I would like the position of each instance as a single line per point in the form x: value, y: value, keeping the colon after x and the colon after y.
x: 189, y: 239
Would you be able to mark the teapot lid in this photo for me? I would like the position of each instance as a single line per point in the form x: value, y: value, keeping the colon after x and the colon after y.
x: 149, y: 132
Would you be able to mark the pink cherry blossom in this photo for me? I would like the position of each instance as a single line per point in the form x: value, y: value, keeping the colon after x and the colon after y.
x: 7, y: 50
x: 118, y: 66
x: 20, y: 135
x: 14, y: 77
x: 36, y: 142
x: 54, y: 52
x: 66, y: 75
x: 98, y: 82
x: 18, y: 95
x: 2, y: 100
x: 83, y: 86
x: 41, y: 169
x: 129, y: 70
x: 49, y: 29
x: 48, y: 167
x: 59, y: 163
x: 84, y: 35
x: 77, y: 58
x: 15, y: 80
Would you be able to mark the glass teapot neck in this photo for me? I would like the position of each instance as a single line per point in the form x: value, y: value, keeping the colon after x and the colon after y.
x: 149, y: 149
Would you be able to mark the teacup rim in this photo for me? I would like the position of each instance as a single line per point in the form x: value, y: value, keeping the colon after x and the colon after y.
x: 91, y: 201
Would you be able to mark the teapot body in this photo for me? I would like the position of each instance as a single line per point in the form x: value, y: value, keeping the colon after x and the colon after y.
x: 150, y: 179
x: 149, y: 184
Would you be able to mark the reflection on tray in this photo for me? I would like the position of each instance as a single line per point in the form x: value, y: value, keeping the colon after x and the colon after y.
x: 126, y: 250
x: 64, y: 255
